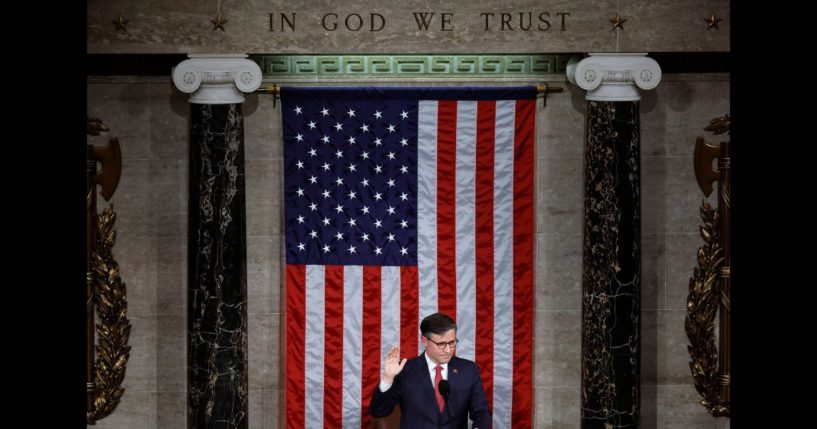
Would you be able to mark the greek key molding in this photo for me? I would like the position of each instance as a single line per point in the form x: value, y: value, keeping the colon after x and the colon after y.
x: 217, y: 78
x: 282, y: 68
x: 614, y: 77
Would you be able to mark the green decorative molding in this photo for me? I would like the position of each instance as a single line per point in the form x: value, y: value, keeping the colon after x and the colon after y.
x: 300, y: 67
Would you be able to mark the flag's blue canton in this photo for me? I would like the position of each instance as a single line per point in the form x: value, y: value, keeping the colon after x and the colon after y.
x: 351, y: 181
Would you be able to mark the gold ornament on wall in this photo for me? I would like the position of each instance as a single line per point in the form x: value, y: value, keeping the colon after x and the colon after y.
x: 105, y: 292
x: 218, y: 23
x: 121, y: 23
x: 618, y: 21
x: 709, y: 287
x: 712, y: 21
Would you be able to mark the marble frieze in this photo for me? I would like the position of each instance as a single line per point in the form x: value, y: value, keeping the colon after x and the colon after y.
x: 406, y: 26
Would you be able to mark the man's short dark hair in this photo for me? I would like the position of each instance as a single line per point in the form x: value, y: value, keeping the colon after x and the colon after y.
x: 437, y: 323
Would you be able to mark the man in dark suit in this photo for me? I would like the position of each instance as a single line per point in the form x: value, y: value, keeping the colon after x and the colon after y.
x: 414, y: 383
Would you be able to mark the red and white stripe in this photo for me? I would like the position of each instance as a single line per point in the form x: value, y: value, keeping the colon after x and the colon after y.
x: 475, y: 262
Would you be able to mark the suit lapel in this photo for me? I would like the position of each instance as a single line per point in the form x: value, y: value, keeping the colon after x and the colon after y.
x: 454, y: 379
x: 423, y: 373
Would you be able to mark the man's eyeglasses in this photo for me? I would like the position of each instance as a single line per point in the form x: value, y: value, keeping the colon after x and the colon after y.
x: 441, y: 346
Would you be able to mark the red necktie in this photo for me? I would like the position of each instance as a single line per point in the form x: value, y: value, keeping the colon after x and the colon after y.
x: 437, y: 378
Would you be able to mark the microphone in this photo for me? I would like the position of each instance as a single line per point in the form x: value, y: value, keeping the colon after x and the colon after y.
x: 445, y: 388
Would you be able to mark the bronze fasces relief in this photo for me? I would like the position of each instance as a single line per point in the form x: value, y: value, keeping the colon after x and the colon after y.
x: 709, y: 287
x: 105, y: 291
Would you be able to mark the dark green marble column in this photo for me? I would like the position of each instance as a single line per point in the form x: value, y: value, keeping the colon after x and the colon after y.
x: 611, y: 268
x: 216, y: 244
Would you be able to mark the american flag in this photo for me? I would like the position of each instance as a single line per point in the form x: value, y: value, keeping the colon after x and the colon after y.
x: 401, y: 202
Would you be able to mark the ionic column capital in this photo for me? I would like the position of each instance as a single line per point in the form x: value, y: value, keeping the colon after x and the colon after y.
x: 217, y: 78
x: 614, y: 76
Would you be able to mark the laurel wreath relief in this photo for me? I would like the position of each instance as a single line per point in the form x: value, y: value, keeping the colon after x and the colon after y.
x: 702, y: 306
x: 113, y: 328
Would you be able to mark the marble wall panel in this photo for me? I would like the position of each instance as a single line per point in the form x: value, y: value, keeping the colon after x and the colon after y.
x: 171, y: 410
x: 263, y: 275
x: 559, y: 271
x: 558, y: 346
x: 653, y: 260
x: 255, y: 409
x: 153, y: 193
x: 557, y: 122
x: 654, y: 25
x: 271, y: 418
x: 653, y: 194
x: 125, y: 110
x: 649, y: 406
x: 679, y: 408
x: 689, y: 106
x: 672, y: 359
x: 683, y: 196
x: 169, y: 113
x: 262, y: 128
x: 264, y: 208
x: 682, y: 251
x: 136, y: 410
x: 559, y: 203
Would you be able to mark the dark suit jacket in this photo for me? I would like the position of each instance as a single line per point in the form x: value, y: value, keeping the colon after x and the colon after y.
x: 414, y: 391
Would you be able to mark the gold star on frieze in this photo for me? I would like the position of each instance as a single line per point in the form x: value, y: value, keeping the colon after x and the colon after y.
x: 618, y: 21
x: 712, y: 21
x: 218, y: 23
x: 121, y: 23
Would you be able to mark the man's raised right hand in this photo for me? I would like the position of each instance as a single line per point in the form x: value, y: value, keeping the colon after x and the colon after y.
x: 393, y: 365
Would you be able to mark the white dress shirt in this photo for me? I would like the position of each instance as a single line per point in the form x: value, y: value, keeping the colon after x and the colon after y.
x: 432, y: 365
